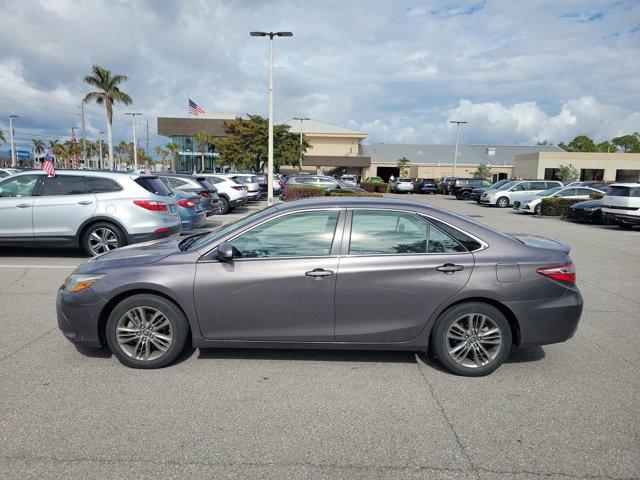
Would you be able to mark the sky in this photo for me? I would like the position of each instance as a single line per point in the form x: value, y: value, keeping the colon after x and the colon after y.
x: 517, y: 72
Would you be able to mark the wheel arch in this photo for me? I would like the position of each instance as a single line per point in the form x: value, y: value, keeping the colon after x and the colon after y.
x: 100, y: 219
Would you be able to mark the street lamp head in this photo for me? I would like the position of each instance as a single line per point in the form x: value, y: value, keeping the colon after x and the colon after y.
x: 456, y: 121
x: 284, y: 34
x: 258, y: 34
x: 13, y: 116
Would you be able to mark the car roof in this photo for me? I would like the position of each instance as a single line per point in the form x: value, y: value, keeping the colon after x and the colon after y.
x: 625, y: 185
x: 87, y: 173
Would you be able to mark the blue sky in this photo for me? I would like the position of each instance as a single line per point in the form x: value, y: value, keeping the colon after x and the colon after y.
x: 518, y: 72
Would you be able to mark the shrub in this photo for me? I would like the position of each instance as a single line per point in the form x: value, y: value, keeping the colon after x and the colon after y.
x: 557, y: 207
x: 350, y: 193
x: 375, y: 187
x: 294, y: 192
x: 596, y: 196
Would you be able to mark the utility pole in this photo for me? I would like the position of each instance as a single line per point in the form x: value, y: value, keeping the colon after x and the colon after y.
x: 455, y: 156
x: 147, y: 136
x: 135, y: 143
x: 270, y: 159
x: 302, y: 119
x: 13, y: 145
x: 84, y: 136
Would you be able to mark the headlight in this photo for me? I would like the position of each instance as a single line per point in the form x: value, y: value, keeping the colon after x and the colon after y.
x: 78, y: 282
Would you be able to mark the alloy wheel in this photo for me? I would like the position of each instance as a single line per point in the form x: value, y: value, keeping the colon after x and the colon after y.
x: 474, y: 340
x: 144, y: 333
x: 103, y: 240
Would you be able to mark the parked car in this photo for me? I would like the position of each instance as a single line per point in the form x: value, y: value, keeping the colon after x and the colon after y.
x: 374, y: 180
x: 445, y: 184
x: 96, y: 211
x: 248, y: 180
x: 350, y: 180
x: 5, y: 172
x: 477, y: 192
x: 533, y: 203
x: 194, y: 184
x: 463, y: 187
x: 190, y: 209
x: 401, y: 185
x: 588, y: 211
x: 469, y: 292
x: 426, y: 185
x: 262, y: 180
x: 621, y: 204
x: 509, y: 192
x: 328, y: 183
x: 230, y: 193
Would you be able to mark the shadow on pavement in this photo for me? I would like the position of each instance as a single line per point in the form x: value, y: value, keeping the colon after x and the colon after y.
x: 308, y: 355
x: 42, y: 252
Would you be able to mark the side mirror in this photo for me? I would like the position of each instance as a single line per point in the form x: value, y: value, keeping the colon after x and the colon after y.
x: 225, y: 251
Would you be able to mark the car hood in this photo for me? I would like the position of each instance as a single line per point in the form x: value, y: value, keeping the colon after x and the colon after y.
x: 134, y: 255
x: 542, y: 242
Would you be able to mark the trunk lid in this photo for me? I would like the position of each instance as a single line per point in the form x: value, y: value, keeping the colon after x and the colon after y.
x: 542, y: 242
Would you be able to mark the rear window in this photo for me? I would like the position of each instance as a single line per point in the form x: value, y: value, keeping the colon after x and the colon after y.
x: 207, y: 186
x: 153, y: 185
x: 101, y: 185
x: 624, y: 192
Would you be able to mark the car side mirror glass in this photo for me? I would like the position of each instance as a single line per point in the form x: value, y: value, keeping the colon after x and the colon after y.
x: 225, y: 251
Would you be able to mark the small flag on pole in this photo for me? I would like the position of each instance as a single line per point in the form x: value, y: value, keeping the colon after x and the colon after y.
x: 146, y: 169
x: 47, y: 164
x: 195, y: 109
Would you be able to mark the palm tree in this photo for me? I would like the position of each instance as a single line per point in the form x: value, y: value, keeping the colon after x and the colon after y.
x: 2, y: 139
x: 108, y: 93
x: 56, y: 148
x: 174, y: 148
x: 203, y: 139
x: 38, y: 146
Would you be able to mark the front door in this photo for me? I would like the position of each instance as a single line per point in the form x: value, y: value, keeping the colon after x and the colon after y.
x: 398, y: 269
x: 280, y: 286
x: 16, y: 206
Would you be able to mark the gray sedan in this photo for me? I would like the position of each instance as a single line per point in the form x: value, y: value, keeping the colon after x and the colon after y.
x: 347, y: 273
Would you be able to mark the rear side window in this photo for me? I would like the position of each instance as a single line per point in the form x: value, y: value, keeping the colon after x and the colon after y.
x: 153, y: 185
x: 101, y: 185
x: 568, y: 192
x: 538, y: 186
x: 64, y: 185
x: 624, y: 191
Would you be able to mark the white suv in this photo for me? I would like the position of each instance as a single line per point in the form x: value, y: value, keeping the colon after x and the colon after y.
x: 621, y: 203
x: 505, y: 195
x: 231, y: 194
x: 249, y: 181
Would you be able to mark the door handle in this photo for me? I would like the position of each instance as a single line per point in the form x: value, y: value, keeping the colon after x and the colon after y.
x: 85, y: 202
x: 319, y: 273
x: 450, y: 268
x: 23, y: 205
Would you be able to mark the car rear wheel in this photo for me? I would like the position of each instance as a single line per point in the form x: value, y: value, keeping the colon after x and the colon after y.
x: 466, y: 196
x: 101, y: 238
x: 472, y: 339
x: 503, y: 202
x: 146, y: 331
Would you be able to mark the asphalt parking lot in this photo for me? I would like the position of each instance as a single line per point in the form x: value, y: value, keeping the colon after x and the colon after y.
x: 561, y: 411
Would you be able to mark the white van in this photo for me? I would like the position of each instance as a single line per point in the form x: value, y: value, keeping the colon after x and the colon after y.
x: 505, y: 195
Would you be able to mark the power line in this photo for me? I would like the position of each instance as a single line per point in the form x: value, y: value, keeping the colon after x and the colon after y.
x: 33, y: 97
x: 38, y: 106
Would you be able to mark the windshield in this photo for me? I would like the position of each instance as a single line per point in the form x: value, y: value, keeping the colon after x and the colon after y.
x: 551, y: 191
x: 197, y: 241
x: 506, y: 186
x: 498, y: 184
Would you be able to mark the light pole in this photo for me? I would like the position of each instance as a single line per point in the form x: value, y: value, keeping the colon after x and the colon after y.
x: 13, y: 146
x: 270, y: 160
x: 135, y: 144
x: 100, y: 149
x: 302, y: 119
x: 84, y: 135
x: 455, y: 155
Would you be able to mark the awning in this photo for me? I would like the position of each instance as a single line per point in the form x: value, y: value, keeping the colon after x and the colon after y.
x: 336, y: 161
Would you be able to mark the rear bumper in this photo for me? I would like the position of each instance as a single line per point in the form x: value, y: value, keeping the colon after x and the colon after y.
x: 145, y: 237
x: 78, y: 316
x: 548, y: 321
x: 622, y: 217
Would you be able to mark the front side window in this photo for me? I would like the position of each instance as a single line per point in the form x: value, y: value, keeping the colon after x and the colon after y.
x: 377, y: 232
x: 63, y: 185
x: 21, y: 186
x: 304, y: 234
x: 568, y: 192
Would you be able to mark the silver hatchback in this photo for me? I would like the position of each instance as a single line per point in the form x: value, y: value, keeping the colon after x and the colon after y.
x: 97, y: 211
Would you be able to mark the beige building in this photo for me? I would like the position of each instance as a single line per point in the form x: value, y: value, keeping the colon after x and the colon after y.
x: 618, y: 167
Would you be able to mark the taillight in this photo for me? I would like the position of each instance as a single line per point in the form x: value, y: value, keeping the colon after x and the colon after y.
x: 565, y: 273
x: 152, y: 205
x: 237, y: 187
x: 205, y: 193
x: 187, y: 203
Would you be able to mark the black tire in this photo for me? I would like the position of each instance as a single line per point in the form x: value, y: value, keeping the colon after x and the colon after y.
x: 502, y: 202
x: 86, y: 241
x: 538, y: 209
x: 179, y: 326
x: 224, y: 206
x: 466, y: 196
x: 440, y: 342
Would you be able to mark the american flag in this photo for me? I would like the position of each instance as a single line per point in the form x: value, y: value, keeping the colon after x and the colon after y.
x: 194, y: 109
x: 146, y: 169
x: 47, y: 164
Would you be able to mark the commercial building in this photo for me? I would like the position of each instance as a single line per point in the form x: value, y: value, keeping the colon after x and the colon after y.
x: 618, y: 167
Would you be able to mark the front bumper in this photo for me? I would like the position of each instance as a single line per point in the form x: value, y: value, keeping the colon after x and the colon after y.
x: 486, y: 200
x: 78, y: 316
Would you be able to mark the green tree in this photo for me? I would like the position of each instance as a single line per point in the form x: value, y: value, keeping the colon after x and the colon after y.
x: 204, y: 140
x: 581, y: 143
x: 567, y: 173
x: 38, y: 146
x: 108, y: 93
x: 403, y: 166
x: 606, y: 147
x: 628, y: 143
x: 175, y: 151
x: 483, y: 171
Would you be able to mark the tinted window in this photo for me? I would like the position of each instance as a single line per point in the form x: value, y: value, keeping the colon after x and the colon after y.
x: 303, y: 234
x: 101, y: 185
x: 553, y: 184
x: 507, y: 185
x: 64, y: 185
x: 519, y: 188
x: 153, y: 185
x: 538, y: 186
x: 21, y: 186
x: 624, y: 191
x: 568, y: 192
x: 584, y: 191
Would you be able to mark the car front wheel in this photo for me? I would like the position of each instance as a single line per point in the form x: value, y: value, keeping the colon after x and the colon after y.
x: 503, y: 202
x: 224, y: 206
x: 538, y: 209
x: 146, y: 331
x: 472, y: 339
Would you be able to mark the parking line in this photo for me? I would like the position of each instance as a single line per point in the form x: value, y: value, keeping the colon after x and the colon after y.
x: 39, y: 266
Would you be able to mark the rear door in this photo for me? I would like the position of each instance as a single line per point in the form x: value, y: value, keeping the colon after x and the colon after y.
x: 396, y: 268
x: 16, y: 206
x: 62, y: 206
x: 519, y: 191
